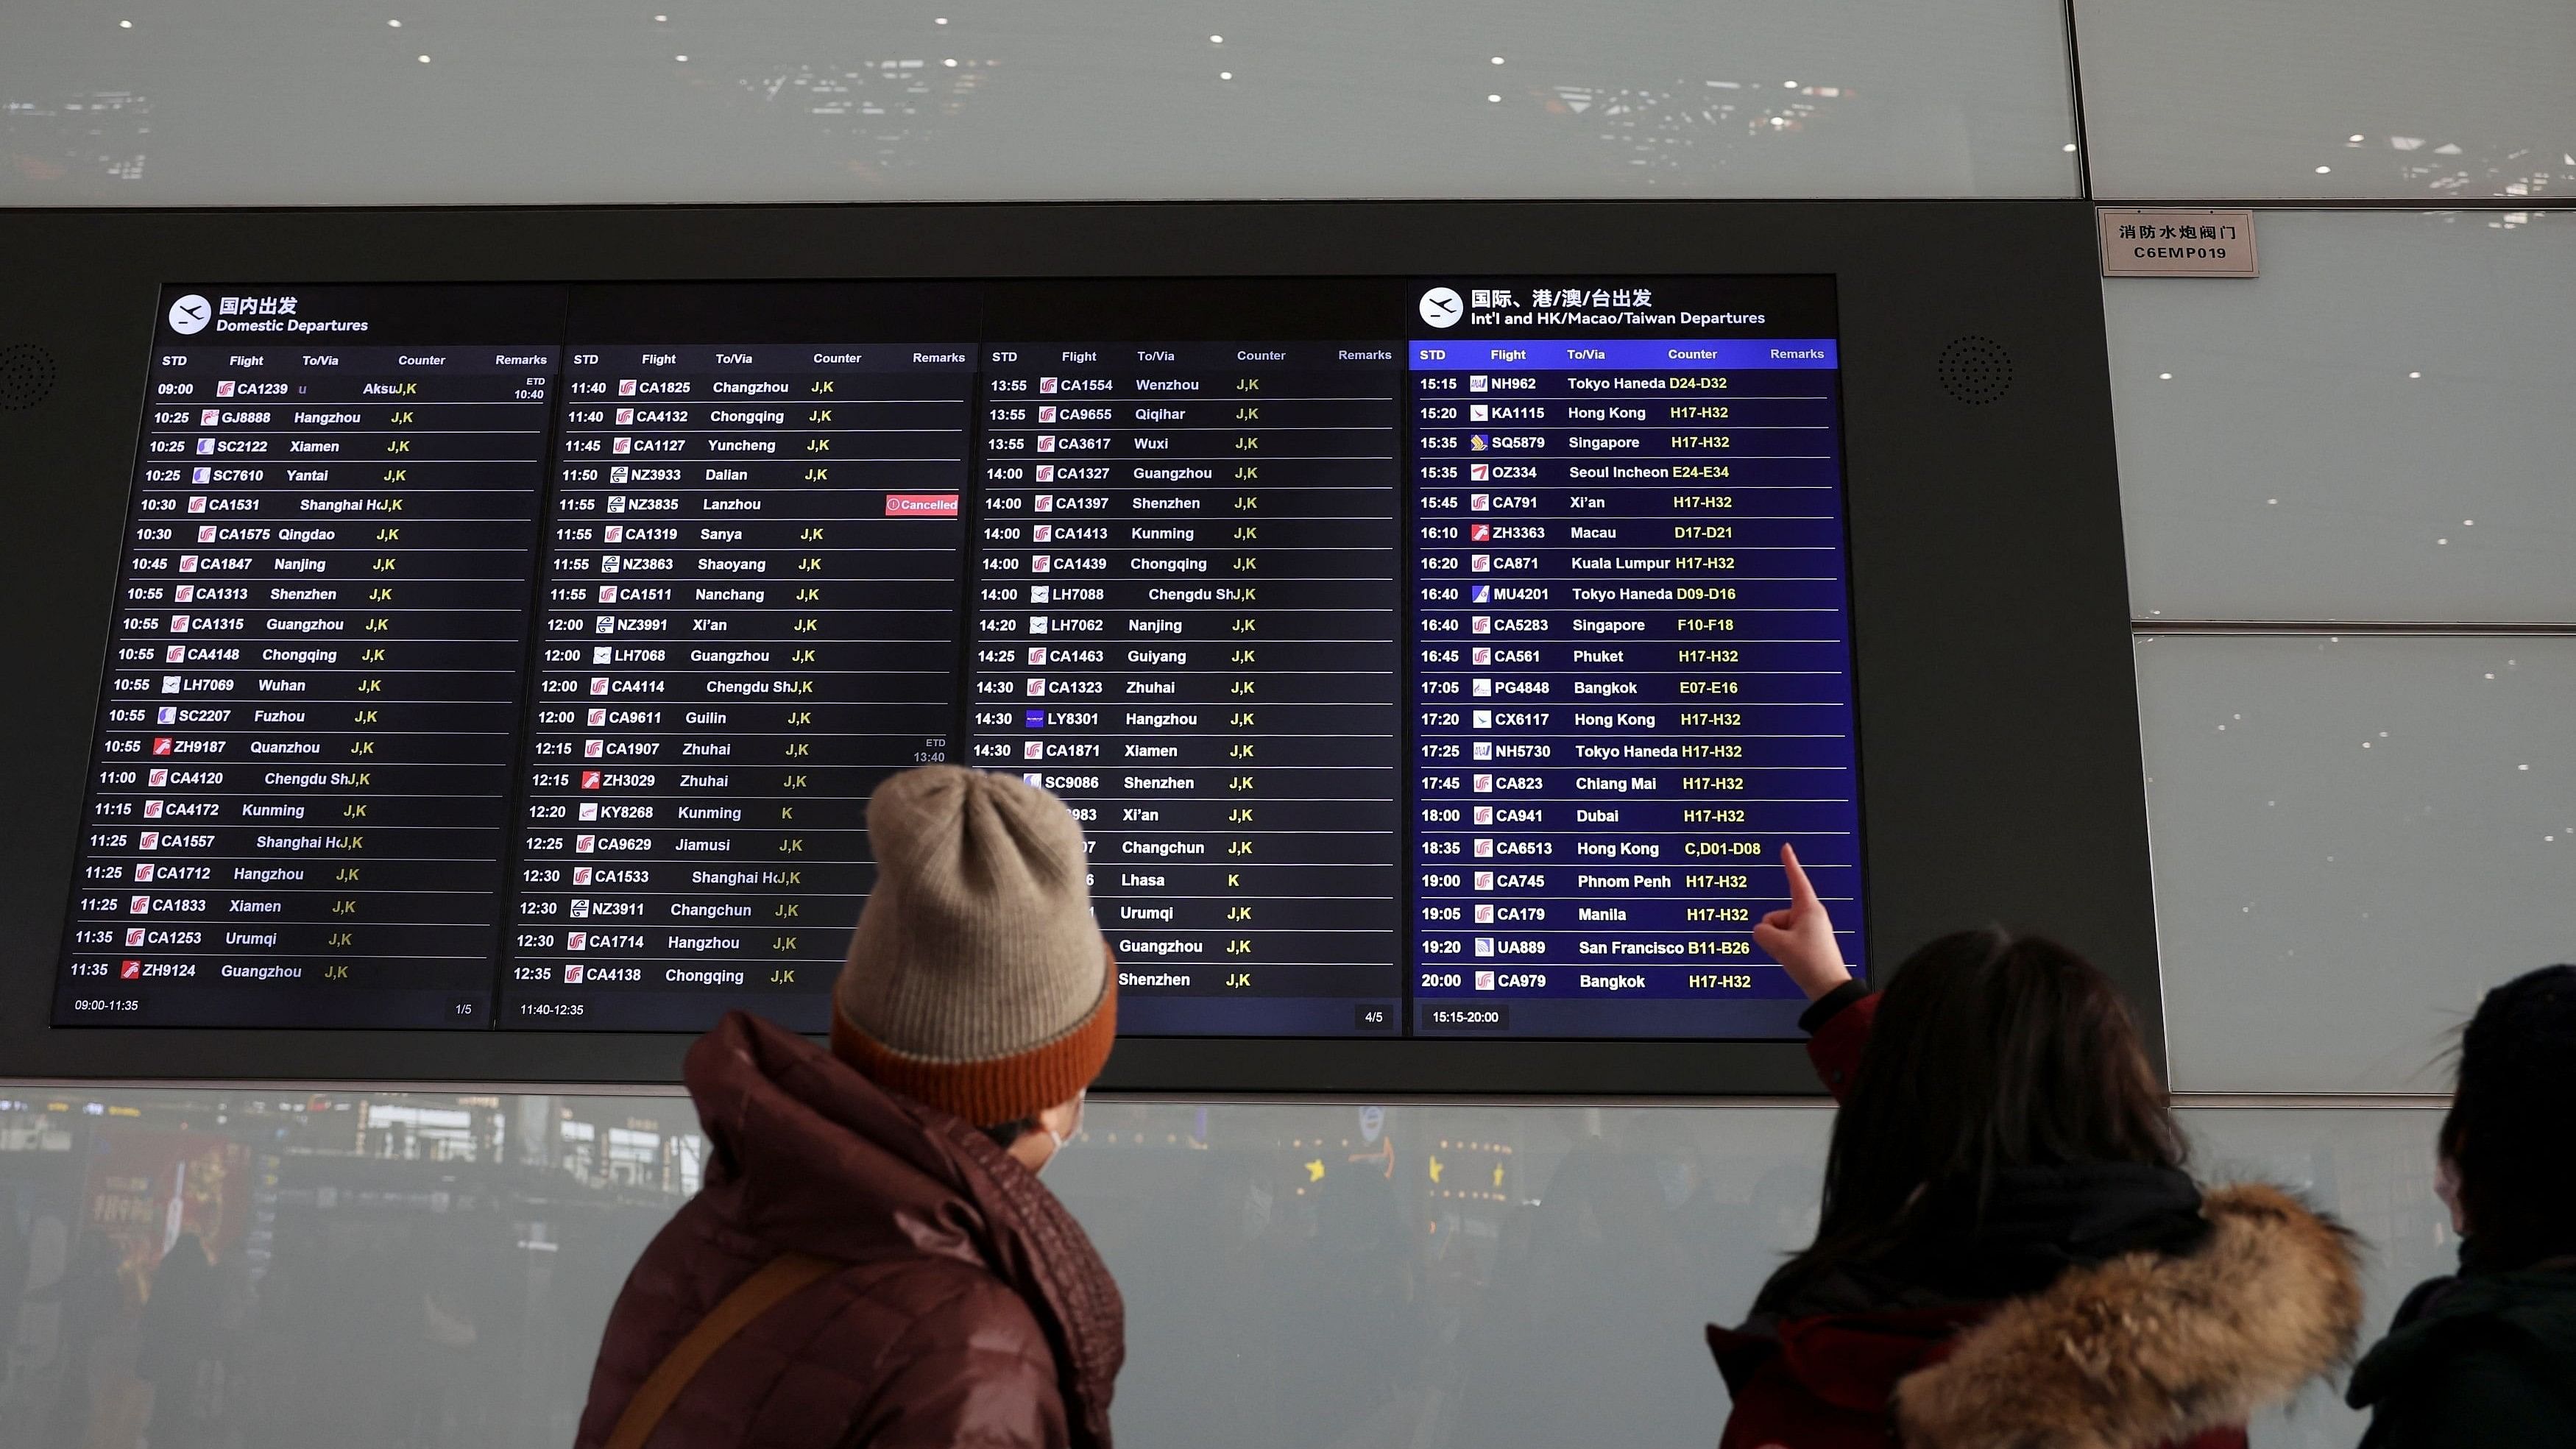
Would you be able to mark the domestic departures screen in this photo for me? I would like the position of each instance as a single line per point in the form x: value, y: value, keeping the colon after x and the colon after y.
x: 1423, y: 657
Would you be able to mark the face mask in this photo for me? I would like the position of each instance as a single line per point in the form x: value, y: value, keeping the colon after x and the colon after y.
x: 1058, y: 1138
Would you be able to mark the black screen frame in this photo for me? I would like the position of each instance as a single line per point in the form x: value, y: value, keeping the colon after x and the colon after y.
x: 1998, y: 711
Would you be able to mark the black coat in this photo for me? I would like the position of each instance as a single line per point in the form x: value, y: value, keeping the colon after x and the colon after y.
x: 2486, y: 1358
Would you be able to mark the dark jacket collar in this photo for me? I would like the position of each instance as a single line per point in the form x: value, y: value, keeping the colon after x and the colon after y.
x: 2034, y: 1223
x: 1967, y: 1244
x: 2534, y: 1307
x: 809, y: 1155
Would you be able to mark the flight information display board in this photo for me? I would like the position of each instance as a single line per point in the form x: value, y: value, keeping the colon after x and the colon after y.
x: 1430, y: 657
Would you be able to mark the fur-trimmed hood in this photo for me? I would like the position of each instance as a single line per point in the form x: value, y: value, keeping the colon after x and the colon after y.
x: 2149, y: 1348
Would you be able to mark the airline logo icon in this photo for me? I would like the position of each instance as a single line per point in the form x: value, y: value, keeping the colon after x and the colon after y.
x: 572, y: 973
x: 130, y: 971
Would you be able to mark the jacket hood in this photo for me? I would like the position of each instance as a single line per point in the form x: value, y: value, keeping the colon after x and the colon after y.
x: 808, y: 1155
x: 2150, y: 1347
x: 2536, y: 1307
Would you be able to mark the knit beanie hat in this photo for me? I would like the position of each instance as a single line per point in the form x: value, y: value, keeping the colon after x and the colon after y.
x: 977, y: 981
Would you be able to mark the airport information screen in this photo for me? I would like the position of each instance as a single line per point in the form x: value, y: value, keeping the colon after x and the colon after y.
x: 1423, y: 657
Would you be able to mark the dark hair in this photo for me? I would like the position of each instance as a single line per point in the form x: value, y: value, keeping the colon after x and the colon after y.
x: 1990, y: 1051
x: 2511, y: 1131
x: 1006, y: 1133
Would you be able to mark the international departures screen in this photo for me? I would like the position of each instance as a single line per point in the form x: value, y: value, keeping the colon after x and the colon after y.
x: 1432, y: 657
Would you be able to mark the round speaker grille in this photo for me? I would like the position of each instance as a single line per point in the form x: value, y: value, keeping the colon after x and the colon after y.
x: 1975, y: 370
x: 26, y: 375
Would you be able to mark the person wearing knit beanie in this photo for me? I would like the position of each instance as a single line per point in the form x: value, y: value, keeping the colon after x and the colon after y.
x: 870, y: 1261
x: 978, y: 981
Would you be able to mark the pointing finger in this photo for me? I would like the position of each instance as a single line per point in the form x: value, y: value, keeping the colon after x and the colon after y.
x: 1802, y: 894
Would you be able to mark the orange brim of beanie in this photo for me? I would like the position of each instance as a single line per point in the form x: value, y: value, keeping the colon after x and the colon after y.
x: 1002, y: 1089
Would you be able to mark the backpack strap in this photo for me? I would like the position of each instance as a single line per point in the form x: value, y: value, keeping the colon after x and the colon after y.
x: 756, y: 1295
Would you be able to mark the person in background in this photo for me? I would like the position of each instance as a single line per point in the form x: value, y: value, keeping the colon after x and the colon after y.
x: 2489, y: 1356
x: 2010, y: 1252
x: 181, y: 1343
x: 873, y: 1261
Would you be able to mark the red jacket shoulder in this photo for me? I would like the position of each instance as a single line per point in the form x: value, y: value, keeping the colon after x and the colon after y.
x: 1835, y: 1048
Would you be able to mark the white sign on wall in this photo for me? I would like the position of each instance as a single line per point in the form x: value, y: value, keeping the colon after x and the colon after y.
x: 2157, y: 241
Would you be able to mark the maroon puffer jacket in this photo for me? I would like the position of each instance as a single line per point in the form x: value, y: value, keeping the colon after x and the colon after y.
x: 973, y: 1311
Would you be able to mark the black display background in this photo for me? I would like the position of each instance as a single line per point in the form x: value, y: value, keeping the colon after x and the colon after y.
x: 2001, y: 772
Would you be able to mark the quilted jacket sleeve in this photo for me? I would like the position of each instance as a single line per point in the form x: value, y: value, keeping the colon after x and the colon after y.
x: 974, y: 1372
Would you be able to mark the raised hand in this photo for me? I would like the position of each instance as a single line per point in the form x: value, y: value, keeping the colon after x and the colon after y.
x: 1801, y: 938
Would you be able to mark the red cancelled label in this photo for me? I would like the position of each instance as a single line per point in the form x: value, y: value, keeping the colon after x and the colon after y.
x: 921, y: 505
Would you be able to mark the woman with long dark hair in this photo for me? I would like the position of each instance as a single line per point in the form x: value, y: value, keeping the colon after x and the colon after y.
x: 2489, y: 1356
x: 2010, y: 1251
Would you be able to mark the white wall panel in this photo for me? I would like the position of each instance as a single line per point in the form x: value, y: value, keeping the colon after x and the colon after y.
x: 2354, y: 837
x: 2377, y: 428
x: 566, y: 101
x: 2293, y: 99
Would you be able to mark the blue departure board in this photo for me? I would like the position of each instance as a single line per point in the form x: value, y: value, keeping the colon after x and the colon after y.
x: 1633, y: 679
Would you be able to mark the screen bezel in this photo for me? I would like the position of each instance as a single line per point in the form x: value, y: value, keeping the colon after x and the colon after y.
x: 2001, y: 766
